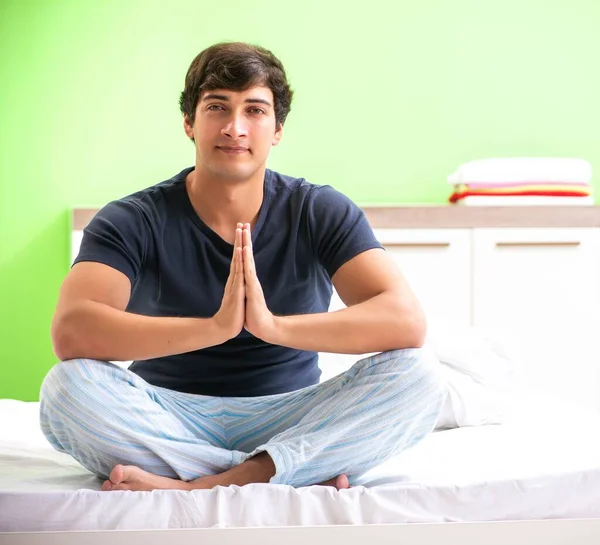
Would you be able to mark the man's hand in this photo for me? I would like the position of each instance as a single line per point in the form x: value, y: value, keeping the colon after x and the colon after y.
x: 259, y: 320
x: 230, y: 317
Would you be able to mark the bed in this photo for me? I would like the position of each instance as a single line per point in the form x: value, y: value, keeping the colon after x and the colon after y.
x: 534, y: 476
x: 543, y: 462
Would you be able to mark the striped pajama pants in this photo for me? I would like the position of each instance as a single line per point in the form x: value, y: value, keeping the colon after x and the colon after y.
x: 103, y: 415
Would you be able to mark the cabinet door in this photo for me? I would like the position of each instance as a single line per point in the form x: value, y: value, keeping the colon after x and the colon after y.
x: 543, y: 284
x: 437, y: 265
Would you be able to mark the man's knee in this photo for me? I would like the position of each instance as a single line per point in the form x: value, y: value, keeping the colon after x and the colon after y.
x: 58, y: 380
x: 70, y: 392
x: 68, y: 380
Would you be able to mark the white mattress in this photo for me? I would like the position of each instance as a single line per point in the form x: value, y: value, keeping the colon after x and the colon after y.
x: 544, y: 462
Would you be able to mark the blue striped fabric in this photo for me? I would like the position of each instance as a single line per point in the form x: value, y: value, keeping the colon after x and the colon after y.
x: 104, y: 415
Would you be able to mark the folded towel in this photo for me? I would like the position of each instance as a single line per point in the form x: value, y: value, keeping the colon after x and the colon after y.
x: 461, y: 195
x: 519, y: 189
x: 523, y: 169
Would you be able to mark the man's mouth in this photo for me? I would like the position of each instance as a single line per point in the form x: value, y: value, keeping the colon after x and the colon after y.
x: 233, y: 149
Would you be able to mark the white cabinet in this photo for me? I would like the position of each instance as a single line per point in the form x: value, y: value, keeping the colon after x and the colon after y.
x: 532, y: 279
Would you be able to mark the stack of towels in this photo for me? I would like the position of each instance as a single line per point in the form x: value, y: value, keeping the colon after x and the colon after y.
x: 522, y: 181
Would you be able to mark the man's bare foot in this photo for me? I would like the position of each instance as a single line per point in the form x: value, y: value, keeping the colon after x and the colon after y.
x: 134, y: 478
x: 259, y: 469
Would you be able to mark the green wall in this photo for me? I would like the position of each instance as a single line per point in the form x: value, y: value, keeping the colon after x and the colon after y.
x: 390, y: 98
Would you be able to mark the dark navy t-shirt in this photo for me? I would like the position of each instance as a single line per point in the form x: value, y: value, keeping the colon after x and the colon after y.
x: 178, y: 266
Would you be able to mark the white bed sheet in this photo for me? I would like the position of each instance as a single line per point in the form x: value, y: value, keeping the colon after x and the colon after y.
x: 544, y: 462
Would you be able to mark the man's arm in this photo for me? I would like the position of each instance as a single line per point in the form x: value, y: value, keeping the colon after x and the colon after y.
x: 91, y: 322
x: 382, y: 311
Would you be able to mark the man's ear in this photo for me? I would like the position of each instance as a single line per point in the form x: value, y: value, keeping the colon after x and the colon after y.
x: 278, y: 135
x: 189, y: 129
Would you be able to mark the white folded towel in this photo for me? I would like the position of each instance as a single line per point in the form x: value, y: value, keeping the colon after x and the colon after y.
x: 523, y: 169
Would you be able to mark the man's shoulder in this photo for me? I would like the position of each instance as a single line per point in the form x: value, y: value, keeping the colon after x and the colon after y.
x: 149, y: 201
x: 280, y: 181
x: 319, y: 195
x: 159, y: 191
x: 286, y: 186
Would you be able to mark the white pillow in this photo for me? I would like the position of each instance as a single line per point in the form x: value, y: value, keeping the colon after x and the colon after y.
x: 480, y: 367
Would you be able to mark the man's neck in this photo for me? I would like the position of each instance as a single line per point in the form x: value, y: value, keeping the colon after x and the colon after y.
x: 222, y: 203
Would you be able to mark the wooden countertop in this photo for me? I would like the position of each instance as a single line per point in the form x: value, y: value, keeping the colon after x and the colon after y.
x: 457, y: 216
x: 452, y: 216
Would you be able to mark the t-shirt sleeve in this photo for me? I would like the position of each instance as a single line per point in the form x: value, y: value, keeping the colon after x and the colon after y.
x: 115, y: 237
x: 339, y: 228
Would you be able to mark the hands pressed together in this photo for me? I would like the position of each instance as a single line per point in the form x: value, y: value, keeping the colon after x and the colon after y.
x: 243, y: 304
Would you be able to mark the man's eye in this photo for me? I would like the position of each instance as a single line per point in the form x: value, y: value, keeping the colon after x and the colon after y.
x: 214, y: 107
x: 256, y: 111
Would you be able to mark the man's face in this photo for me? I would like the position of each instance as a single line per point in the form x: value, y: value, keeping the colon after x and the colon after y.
x: 234, y: 131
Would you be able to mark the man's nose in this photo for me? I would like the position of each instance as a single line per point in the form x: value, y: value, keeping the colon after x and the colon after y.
x: 236, y: 127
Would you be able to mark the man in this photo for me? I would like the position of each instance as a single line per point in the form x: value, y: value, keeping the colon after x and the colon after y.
x: 216, y: 283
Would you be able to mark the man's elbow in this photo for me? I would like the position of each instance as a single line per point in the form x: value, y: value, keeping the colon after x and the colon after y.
x: 63, y: 340
x: 59, y: 342
x: 419, y: 332
x: 413, y: 327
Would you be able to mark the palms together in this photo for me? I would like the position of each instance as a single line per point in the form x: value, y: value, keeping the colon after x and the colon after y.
x: 243, y: 303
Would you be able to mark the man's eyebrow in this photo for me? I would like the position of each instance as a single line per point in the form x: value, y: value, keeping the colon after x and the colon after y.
x: 214, y: 96
x: 258, y: 100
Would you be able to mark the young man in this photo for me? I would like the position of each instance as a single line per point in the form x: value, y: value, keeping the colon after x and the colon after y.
x: 216, y: 283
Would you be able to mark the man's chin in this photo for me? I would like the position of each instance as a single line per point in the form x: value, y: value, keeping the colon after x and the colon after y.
x: 239, y: 173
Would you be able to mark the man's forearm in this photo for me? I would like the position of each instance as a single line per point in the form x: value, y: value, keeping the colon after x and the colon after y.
x: 379, y: 324
x: 97, y: 331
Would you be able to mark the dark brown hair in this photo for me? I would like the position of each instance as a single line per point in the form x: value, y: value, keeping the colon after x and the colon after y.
x: 236, y: 66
